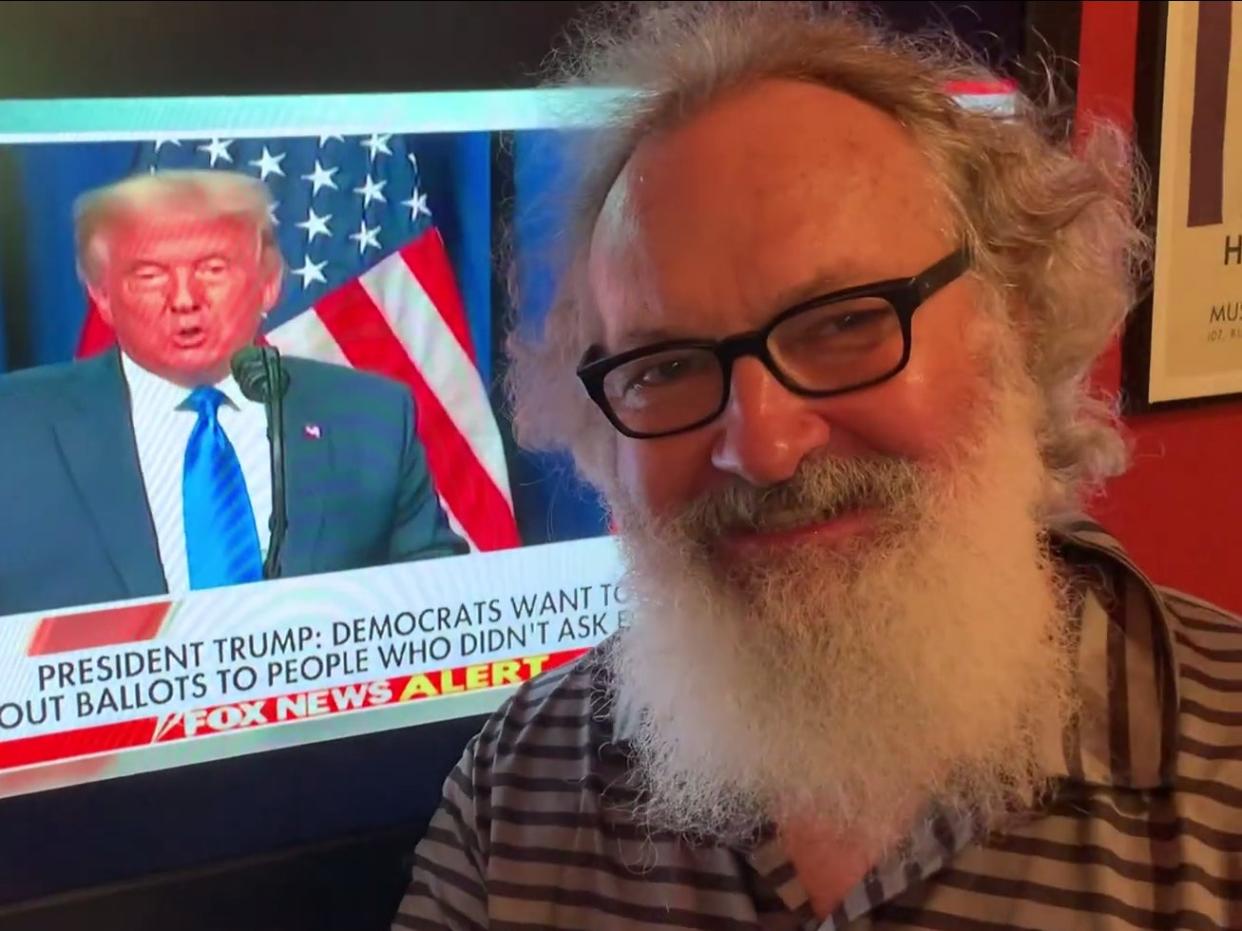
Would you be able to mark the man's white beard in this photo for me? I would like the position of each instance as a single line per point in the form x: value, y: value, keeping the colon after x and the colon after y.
x: 856, y: 688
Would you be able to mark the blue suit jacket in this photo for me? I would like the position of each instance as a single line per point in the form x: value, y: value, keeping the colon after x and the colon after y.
x: 75, y: 527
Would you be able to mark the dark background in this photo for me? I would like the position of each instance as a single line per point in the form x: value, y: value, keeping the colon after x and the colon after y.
x: 105, y: 49
x: 314, y: 837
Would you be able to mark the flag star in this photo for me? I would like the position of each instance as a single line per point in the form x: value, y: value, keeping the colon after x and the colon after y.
x: 366, y: 236
x: 413, y: 161
x: 372, y: 190
x: 377, y: 143
x: 271, y: 212
x: 161, y: 141
x: 310, y: 272
x: 269, y: 164
x: 315, y: 225
x: 324, y: 140
x: 218, y: 151
x: 417, y: 204
x: 321, y: 177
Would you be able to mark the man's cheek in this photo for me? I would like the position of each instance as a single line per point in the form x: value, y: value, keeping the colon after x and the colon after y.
x: 660, y: 475
x: 145, y: 312
x: 631, y: 474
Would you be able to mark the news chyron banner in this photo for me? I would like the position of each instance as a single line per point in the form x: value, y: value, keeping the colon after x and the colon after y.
x: 119, y: 689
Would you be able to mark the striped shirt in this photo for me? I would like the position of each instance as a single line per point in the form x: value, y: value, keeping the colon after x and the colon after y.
x: 1144, y: 829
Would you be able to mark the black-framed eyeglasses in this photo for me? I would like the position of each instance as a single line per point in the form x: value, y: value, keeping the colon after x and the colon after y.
x: 829, y: 345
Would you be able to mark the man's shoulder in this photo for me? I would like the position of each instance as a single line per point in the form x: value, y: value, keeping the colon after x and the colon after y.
x: 1182, y: 612
x: 1091, y: 544
x: 28, y: 390
x: 563, y: 714
x: 545, y: 771
x: 317, y: 377
x: 1192, y: 611
x: 1204, y: 640
x: 348, y: 401
x: 1207, y: 642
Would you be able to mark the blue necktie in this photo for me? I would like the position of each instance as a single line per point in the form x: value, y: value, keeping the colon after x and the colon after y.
x: 221, y: 543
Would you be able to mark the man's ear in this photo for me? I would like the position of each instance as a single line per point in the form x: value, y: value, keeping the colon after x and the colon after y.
x: 100, y: 300
x: 272, y: 287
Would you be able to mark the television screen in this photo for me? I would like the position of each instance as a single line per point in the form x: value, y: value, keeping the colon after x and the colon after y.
x: 422, y: 567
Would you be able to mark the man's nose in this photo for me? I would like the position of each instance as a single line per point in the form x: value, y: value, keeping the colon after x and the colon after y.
x: 766, y: 430
x: 182, y: 298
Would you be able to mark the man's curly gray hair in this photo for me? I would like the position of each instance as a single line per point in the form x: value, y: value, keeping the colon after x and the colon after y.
x: 1051, y: 224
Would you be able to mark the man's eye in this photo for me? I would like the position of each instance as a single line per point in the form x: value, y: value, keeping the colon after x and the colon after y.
x: 660, y: 374
x: 666, y: 371
x: 854, y: 320
x: 215, y: 267
x: 851, y: 322
x: 853, y: 325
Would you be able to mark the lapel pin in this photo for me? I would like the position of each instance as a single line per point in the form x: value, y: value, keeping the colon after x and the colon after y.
x: 312, y: 432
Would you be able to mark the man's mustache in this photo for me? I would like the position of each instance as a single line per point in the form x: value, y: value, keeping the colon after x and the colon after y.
x: 822, y: 488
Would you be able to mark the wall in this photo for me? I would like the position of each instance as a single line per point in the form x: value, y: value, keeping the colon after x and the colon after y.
x: 1179, y: 509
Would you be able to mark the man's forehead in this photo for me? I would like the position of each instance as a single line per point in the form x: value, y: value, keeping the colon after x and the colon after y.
x: 178, y: 228
x: 771, y: 135
x: 768, y: 197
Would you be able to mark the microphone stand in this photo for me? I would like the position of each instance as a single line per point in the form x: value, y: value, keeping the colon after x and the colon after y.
x: 274, y: 402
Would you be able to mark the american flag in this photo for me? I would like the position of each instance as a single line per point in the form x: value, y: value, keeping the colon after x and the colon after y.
x: 370, y: 286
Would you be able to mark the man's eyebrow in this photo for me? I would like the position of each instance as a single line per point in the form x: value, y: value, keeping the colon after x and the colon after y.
x: 632, y: 338
x: 820, y: 283
x: 824, y: 282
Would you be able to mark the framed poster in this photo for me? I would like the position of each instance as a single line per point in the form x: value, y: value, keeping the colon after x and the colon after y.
x: 1185, y: 341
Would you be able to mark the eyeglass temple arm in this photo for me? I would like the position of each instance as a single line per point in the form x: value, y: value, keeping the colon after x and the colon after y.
x: 941, y: 273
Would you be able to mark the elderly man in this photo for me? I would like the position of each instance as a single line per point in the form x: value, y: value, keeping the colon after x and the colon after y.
x: 146, y: 469
x: 832, y: 335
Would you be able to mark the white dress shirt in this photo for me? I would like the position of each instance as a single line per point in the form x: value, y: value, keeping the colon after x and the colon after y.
x: 162, y: 433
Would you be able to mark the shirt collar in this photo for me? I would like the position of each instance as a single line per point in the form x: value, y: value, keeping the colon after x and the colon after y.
x: 1126, y: 732
x: 150, y: 391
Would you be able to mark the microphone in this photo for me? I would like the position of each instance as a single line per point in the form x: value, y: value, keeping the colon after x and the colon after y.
x: 262, y: 378
x: 252, y: 368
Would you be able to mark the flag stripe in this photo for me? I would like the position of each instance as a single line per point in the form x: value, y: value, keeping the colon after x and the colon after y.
x: 439, y: 358
x: 307, y: 337
x: 429, y: 263
x: 363, y: 334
